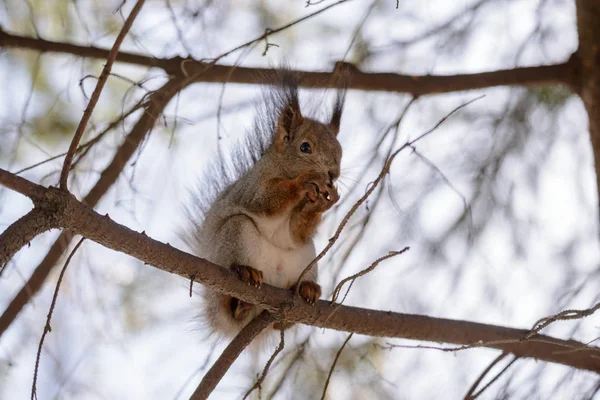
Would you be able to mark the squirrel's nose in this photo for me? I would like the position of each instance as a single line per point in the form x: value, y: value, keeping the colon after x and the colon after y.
x: 331, y: 178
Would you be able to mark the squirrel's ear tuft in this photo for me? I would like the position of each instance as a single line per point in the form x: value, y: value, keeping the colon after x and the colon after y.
x: 341, y: 77
x: 289, y: 119
x: 336, y: 117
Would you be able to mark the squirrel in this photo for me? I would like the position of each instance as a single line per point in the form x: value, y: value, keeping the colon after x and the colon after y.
x: 267, y: 204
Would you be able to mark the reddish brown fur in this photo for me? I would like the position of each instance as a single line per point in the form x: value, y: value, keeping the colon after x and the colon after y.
x: 305, y: 195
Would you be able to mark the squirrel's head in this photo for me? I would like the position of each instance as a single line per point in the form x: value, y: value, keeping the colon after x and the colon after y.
x: 305, y: 144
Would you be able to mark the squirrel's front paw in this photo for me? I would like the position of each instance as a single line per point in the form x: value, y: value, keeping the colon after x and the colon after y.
x: 312, y: 191
x: 248, y: 274
x: 310, y: 291
x: 325, y: 199
x: 320, y: 191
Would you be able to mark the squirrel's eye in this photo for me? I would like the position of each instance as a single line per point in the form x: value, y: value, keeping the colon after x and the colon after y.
x: 305, y: 148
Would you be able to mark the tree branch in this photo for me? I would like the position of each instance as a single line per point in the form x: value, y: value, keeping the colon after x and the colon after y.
x: 335, y: 360
x: 564, y: 73
x: 588, y: 29
x: 22, y: 231
x: 469, y: 395
x: 96, y: 94
x: 81, y: 219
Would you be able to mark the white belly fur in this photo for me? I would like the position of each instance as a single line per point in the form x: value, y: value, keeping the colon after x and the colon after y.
x: 274, y: 252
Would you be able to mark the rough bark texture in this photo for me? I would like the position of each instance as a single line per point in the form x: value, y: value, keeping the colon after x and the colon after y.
x: 22, y: 231
x: 588, y: 26
x: 83, y: 220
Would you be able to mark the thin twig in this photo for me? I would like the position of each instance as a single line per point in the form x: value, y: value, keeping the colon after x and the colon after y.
x: 269, y: 32
x: 496, y: 344
x: 494, y: 379
x: 265, y: 371
x: 301, y: 348
x: 466, y: 206
x: 496, y: 360
x: 47, y: 327
x: 384, y: 171
x: 96, y: 94
x: 562, y: 316
x: 337, y: 356
x: 365, y: 271
x: 359, y: 28
x: 230, y: 354
x: 86, y: 146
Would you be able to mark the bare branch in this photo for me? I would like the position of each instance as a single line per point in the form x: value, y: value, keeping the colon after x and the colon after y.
x: 495, y: 361
x: 22, y: 231
x: 269, y: 32
x: 23, y: 186
x: 418, y: 85
x: 96, y: 94
x: 335, y: 360
x: 265, y: 371
x: 83, y: 220
x: 365, y: 271
x: 562, y: 316
x: 47, y: 327
x: 494, y: 379
x: 230, y: 354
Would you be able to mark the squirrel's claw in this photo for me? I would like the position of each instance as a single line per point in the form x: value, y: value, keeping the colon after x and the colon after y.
x: 312, y: 191
x: 320, y: 191
x: 310, y: 291
x: 249, y: 275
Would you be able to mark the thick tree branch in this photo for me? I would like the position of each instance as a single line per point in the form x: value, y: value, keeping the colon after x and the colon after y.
x: 81, y: 219
x: 564, y: 73
x: 588, y: 15
x: 230, y: 354
x: 22, y: 232
x: 153, y: 108
x: 110, y: 59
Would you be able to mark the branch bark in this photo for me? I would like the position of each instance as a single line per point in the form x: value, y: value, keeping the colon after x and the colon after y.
x: 564, y: 73
x: 22, y: 232
x: 153, y: 108
x: 81, y: 219
x: 588, y: 15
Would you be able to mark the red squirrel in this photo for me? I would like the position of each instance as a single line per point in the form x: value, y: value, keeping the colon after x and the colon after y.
x: 268, y: 204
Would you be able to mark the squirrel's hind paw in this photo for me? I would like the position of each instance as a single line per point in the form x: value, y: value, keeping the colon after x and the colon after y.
x: 310, y: 291
x: 239, y: 309
x: 249, y: 275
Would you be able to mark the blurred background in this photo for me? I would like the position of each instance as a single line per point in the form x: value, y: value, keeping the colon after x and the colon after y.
x: 498, y: 205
